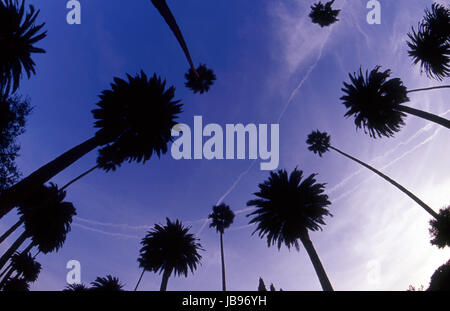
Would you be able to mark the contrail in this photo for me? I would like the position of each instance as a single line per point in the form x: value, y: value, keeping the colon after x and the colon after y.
x: 112, y: 234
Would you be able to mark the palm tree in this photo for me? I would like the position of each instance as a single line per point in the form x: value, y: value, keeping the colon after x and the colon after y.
x: 324, y: 15
x: 440, y: 228
x: 25, y: 266
x: 376, y: 102
x: 134, y: 121
x: 13, y: 113
x: 430, y: 45
x: 222, y: 217
x: 76, y: 288
x: 16, y: 285
x: 107, y: 284
x: 261, y: 285
x: 18, y: 36
x: 440, y: 280
x: 289, y: 206
x: 169, y: 249
x: 320, y: 143
x: 198, y: 79
x: 47, y: 219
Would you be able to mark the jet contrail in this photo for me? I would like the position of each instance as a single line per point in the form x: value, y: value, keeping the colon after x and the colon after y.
x: 112, y: 234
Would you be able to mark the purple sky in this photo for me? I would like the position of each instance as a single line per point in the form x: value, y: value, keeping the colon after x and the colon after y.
x: 273, y: 66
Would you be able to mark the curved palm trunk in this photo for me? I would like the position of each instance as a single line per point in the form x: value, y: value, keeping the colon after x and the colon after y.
x: 140, y: 278
x: 7, y: 255
x: 224, y: 285
x: 429, y: 88
x: 393, y: 182
x: 79, y: 177
x: 320, y: 271
x: 165, y: 12
x: 10, y: 231
x: 23, y: 189
x: 425, y: 115
x: 165, y: 280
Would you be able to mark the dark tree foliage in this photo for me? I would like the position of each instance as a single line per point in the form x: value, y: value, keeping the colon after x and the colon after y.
x: 440, y: 229
x: 222, y: 217
x: 18, y: 36
x: 135, y: 118
x: 202, y: 82
x: 319, y: 142
x: 430, y: 44
x: 170, y: 248
x: 107, y: 284
x: 76, y: 288
x: 26, y: 266
x: 288, y: 206
x: 47, y: 218
x: 373, y: 100
x: 13, y: 113
x: 262, y: 286
x: 440, y: 280
x: 323, y: 14
x: 16, y: 285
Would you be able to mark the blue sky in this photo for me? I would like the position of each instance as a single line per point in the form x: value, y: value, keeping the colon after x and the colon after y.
x: 272, y: 65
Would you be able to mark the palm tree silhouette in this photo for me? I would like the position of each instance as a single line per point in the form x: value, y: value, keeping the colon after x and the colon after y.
x: 430, y: 45
x: 16, y: 285
x: 134, y: 121
x: 324, y: 15
x: 198, y: 79
x: 376, y: 103
x: 25, y: 266
x: 18, y: 36
x: 319, y: 143
x: 287, y: 207
x: 106, y: 284
x: 76, y: 288
x: 47, y: 219
x: 440, y: 228
x: 222, y: 217
x: 440, y: 280
x: 169, y: 249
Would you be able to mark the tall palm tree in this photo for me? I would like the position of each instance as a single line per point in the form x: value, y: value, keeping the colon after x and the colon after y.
x: 222, y: 217
x: 440, y: 280
x: 134, y: 121
x: 18, y: 36
x: 320, y: 143
x: 323, y: 14
x: 107, y: 284
x: 430, y: 45
x: 376, y: 102
x: 169, y: 249
x: 287, y: 207
x: 198, y: 79
x: 47, y: 219
x: 440, y: 228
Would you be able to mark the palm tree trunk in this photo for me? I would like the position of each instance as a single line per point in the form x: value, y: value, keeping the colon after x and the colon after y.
x: 429, y: 88
x: 10, y: 231
x: 425, y: 115
x: 7, y: 276
x: 140, y: 278
x: 79, y: 177
x: 224, y: 285
x: 6, y: 256
x: 165, y: 280
x: 165, y: 12
x: 23, y: 189
x: 320, y: 271
x: 393, y: 182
